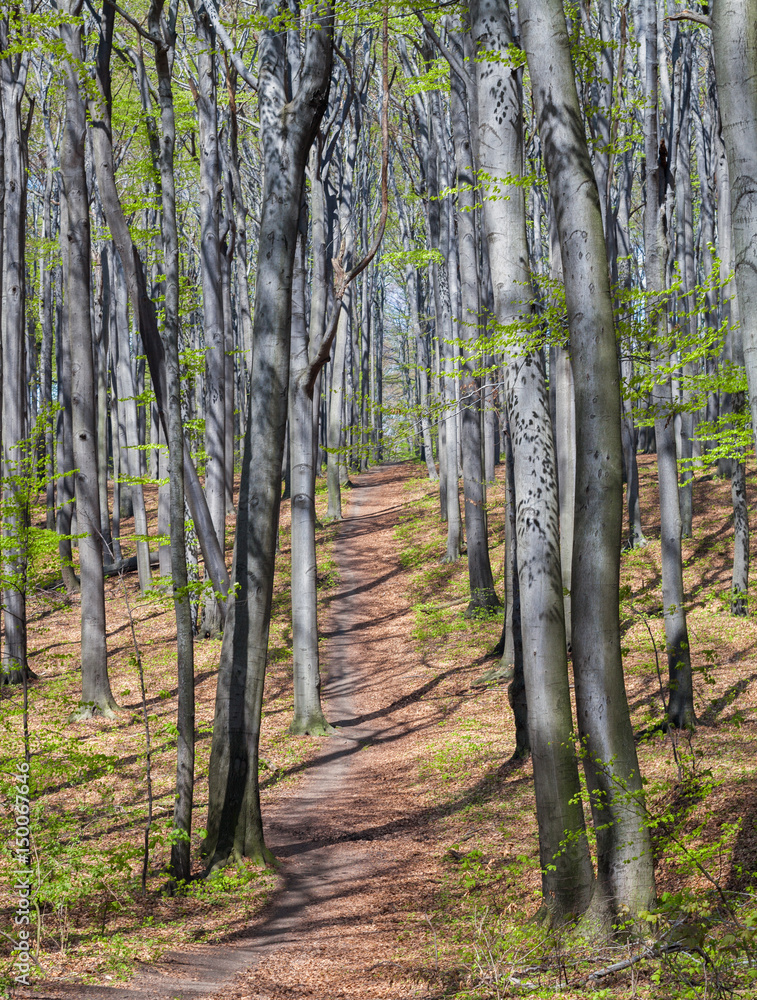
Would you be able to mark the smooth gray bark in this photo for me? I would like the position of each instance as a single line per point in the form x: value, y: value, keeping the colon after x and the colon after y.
x: 65, y: 448
x: 335, y: 410
x: 16, y: 471
x: 212, y: 298
x: 684, y: 203
x: 132, y: 464
x: 439, y: 226
x: 47, y: 321
x: 308, y: 714
x: 289, y: 122
x: 483, y: 594
x: 144, y: 311
x: 681, y: 699
x: 244, y: 309
x: 567, y: 877
x: 625, y: 881
x: 101, y: 334
x: 185, y: 756
x: 734, y: 33
x: 96, y: 692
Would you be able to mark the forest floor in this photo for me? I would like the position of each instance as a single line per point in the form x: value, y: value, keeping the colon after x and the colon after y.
x: 408, y: 863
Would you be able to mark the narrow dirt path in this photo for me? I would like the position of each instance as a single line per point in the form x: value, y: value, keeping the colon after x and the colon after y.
x: 349, y: 835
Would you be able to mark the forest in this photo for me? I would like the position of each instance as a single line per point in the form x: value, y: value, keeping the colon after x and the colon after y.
x: 379, y: 408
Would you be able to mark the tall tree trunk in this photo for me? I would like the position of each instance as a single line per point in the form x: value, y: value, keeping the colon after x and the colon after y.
x: 47, y: 324
x: 681, y: 701
x: 144, y: 309
x: 16, y: 467
x: 240, y: 225
x: 336, y: 409
x: 686, y: 268
x: 212, y: 299
x: 132, y: 465
x: 624, y: 860
x: 439, y: 224
x: 101, y: 330
x: 308, y: 714
x: 289, y: 123
x: 185, y: 757
x: 480, y: 577
x: 567, y: 877
x: 734, y: 31
x: 65, y: 444
x: 96, y: 692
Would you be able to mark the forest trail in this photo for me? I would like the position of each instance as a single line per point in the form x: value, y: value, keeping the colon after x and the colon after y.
x: 349, y: 835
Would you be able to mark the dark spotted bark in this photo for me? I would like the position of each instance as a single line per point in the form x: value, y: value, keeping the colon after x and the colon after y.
x: 567, y: 877
x: 624, y: 861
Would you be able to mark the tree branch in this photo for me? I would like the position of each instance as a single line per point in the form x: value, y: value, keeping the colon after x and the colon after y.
x: 690, y: 15
x: 135, y: 24
x: 228, y: 44
x: 451, y: 57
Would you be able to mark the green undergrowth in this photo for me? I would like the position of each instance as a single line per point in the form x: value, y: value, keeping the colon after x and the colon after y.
x: 482, y: 940
x: 90, y: 919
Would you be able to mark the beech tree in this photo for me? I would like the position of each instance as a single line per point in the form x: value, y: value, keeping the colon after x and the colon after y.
x: 624, y: 857
x: 96, y: 693
x: 14, y: 68
x: 289, y: 123
x: 208, y: 266
x: 567, y: 878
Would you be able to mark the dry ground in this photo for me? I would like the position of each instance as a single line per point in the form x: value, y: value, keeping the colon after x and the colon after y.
x: 431, y: 837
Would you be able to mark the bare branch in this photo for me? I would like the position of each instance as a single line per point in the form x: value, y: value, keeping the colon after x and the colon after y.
x: 690, y: 15
x: 229, y: 46
x: 134, y: 23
